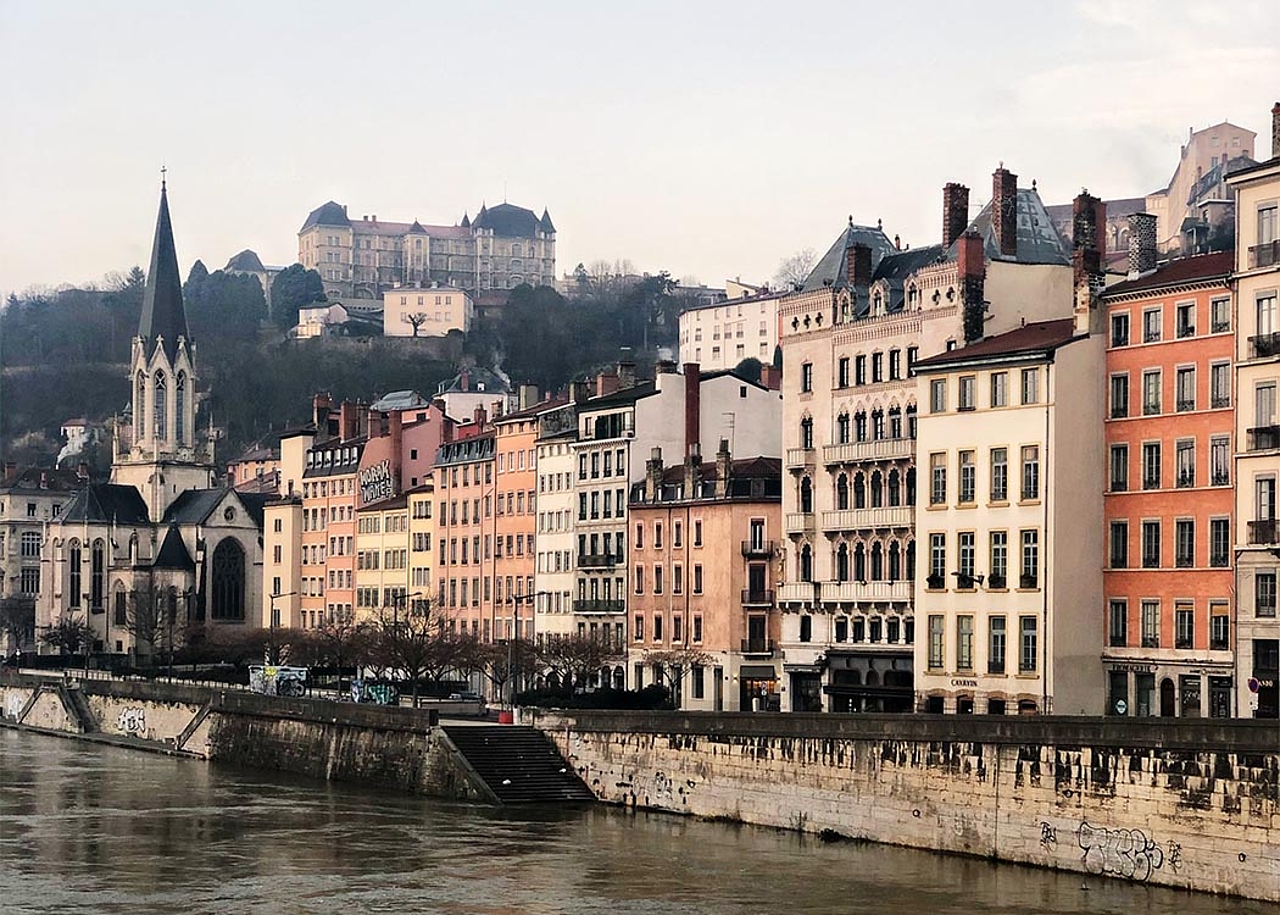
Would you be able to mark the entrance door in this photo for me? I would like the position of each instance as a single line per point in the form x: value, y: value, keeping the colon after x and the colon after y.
x: 1166, y: 698
x: 756, y: 634
x: 718, y: 677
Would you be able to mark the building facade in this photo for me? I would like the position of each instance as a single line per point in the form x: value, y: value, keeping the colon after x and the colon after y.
x: 554, y: 577
x: 720, y: 335
x: 426, y: 311
x: 466, y: 527
x: 30, y: 500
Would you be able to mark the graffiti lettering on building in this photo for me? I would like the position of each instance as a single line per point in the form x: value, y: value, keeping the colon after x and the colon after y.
x: 376, y: 483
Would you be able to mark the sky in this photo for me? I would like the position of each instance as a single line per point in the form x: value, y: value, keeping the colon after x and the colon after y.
x: 710, y: 139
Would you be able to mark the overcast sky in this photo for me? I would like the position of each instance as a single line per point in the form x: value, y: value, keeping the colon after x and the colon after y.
x: 709, y: 139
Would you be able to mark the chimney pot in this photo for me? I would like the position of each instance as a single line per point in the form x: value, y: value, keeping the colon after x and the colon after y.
x: 1275, y: 131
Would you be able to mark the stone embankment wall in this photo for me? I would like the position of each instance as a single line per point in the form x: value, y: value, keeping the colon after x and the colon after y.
x: 398, y: 748
x: 1186, y: 803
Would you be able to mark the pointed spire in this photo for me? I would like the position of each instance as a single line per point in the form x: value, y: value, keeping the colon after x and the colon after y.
x: 545, y: 223
x: 163, y: 316
x: 466, y: 220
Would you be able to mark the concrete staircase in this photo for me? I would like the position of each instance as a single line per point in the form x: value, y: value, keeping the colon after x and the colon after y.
x: 519, y: 764
x: 76, y: 704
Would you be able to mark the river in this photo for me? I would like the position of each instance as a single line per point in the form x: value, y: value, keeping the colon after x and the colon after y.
x: 86, y: 828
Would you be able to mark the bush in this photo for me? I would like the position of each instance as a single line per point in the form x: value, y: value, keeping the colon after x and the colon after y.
x: 650, y: 698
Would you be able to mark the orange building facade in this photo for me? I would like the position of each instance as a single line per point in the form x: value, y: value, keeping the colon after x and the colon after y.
x: 466, y: 526
x: 515, y: 523
x: 1169, y: 617
x: 328, y: 561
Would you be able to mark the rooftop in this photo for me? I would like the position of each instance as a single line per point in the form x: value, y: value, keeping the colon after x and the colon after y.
x: 1038, y: 337
x: 1184, y: 270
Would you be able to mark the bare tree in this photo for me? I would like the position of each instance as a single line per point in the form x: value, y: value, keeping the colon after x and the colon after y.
x: 416, y: 320
x: 411, y: 639
x: 573, y: 659
x: 18, y: 621
x: 794, y: 270
x: 675, y: 664
x: 152, y: 617
x: 506, y: 660
x: 71, y: 635
x: 338, y: 643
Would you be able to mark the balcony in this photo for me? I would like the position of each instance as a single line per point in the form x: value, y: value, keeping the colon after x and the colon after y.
x: 1120, y: 410
x: 757, y: 598
x: 801, y: 522
x: 1264, y: 255
x: 796, y: 592
x: 1151, y: 335
x: 1263, y: 532
x: 1264, y: 346
x: 762, y: 647
x: 1151, y: 408
x: 1186, y: 405
x: 997, y: 582
x: 799, y: 458
x: 1150, y: 482
x: 847, y: 592
x: 757, y: 549
x: 1028, y: 581
x: 1219, y: 560
x: 1186, y: 330
x: 1221, y: 478
x: 599, y: 605
x: 885, y: 449
x: 597, y: 561
x: 862, y: 518
x: 1220, y: 327
x: 1186, y: 480
x: 1264, y: 438
x: 1218, y: 401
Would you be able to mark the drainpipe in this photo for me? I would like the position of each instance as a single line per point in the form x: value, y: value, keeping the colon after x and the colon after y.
x: 1048, y: 527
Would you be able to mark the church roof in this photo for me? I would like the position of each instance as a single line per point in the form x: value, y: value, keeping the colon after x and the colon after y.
x: 107, y: 503
x: 508, y: 220
x: 173, y: 553
x: 246, y: 260
x: 193, y: 506
x: 162, y: 312
x: 545, y: 222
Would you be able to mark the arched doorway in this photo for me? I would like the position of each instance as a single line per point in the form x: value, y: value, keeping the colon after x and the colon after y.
x: 1166, y: 698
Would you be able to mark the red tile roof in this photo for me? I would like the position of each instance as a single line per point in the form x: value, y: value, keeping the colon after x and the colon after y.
x: 1184, y: 270
x: 1037, y: 336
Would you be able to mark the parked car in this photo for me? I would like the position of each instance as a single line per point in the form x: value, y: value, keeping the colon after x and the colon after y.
x: 466, y: 696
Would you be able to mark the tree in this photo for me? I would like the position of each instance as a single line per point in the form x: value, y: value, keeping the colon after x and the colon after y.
x: 338, y: 643
x: 795, y: 269
x: 223, y: 307
x: 152, y: 617
x: 18, y: 620
x: 71, y: 635
x: 675, y: 664
x: 295, y: 287
x: 506, y: 660
x: 749, y: 369
x: 574, y: 659
x: 415, y: 320
x: 411, y: 640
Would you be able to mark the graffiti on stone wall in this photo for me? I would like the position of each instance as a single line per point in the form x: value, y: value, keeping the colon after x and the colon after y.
x: 1127, y: 853
x: 132, y: 720
x: 15, y: 707
x: 1048, y: 835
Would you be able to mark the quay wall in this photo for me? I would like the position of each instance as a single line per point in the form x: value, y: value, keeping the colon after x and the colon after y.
x: 1193, y: 804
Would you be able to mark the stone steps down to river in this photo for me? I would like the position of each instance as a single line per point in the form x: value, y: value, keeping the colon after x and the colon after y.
x: 519, y: 764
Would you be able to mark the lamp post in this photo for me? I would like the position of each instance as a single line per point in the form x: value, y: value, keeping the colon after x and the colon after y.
x: 274, y: 623
x: 517, y: 601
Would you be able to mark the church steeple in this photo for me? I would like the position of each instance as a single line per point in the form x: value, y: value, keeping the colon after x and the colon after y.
x: 162, y: 313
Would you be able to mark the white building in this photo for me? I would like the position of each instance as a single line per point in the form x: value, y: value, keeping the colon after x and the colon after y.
x: 719, y: 335
x: 554, y: 577
x: 431, y: 311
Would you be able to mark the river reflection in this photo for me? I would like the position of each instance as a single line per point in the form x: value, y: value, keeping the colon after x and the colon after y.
x: 93, y: 829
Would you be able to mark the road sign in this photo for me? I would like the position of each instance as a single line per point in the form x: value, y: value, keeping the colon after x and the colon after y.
x: 1253, y: 684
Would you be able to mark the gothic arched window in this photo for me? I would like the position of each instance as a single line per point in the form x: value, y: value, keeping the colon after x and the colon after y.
x: 806, y: 563
x: 895, y: 487
x: 180, y: 408
x: 75, y: 574
x: 98, y: 576
x: 842, y: 492
x: 877, y: 489
x: 842, y: 562
x: 140, y: 409
x: 860, y: 562
x: 228, y: 581
x: 911, y: 486
x: 842, y: 429
x: 806, y: 495
x: 859, y: 491
x: 160, y: 401
x: 877, y: 562
x: 895, y: 562
x: 806, y: 432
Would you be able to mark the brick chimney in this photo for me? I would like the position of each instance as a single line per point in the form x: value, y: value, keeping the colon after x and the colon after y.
x: 528, y: 396
x: 348, y: 421
x: 321, y: 404
x: 479, y: 415
x: 1142, y: 243
x: 395, y: 431
x: 858, y: 266
x: 692, y: 407
x: 1275, y: 131
x: 724, y: 465
x: 606, y: 383
x: 955, y: 212
x: 464, y: 380
x: 693, y: 472
x: 626, y: 374
x: 1088, y: 222
x: 1004, y: 211
x: 653, y: 475
x: 579, y: 391
x: 771, y: 377
x: 971, y: 265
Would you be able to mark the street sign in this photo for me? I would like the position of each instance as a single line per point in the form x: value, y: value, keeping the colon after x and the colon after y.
x: 1254, y: 685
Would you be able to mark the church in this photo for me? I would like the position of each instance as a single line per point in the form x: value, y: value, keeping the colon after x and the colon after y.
x: 161, y: 549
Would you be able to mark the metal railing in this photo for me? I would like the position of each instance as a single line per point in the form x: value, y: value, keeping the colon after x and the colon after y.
x: 757, y: 548
x: 1262, y: 346
x: 598, y: 605
x: 1262, y: 532
x: 1264, y: 255
x: 1264, y: 438
x: 597, y: 561
x: 757, y: 598
x: 758, y: 646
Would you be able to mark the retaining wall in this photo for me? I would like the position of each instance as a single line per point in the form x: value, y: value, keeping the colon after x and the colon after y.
x: 1186, y: 803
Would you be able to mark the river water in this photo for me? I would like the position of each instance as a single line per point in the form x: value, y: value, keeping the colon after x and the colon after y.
x: 86, y: 828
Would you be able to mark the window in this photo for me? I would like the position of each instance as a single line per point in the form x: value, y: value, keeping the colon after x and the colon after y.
x: 913, y: 353
x: 1268, y: 225
x: 637, y: 628
x: 697, y: 532
x: 999, y: 474
x: 938, y: 395
x: 657, y: 629
x: 937, y: 561
x: 1027, y: 659
x: 1151, y: 544
x: 639, y: 577
x: 895, y: 364
x: 842, y: 372
x: 806, y: 378
x: 1183, y: 626
x: 1030, y: 386
x: 228, y: 581
x: 877, y: 367
x: 999, y: 570
x: 1119, y: 396
x: 968, y: 478
x: 1185, y: 389
x: 806, y: 629
x: 1030, y: 559
x: 1264, y: 601
x: 964, y: 642
x: 1030, y: 472
x: 1267, y: 325
x: 1150, y: 392
x: 936, y: 636
x: 996, y: 645
x: 1219, y: 628
x: 999, y: 389
x: 1220, y: 385
x: 860, y: 370
x: 967, y: 557
x: 1119, y: 553
x: 968, y: 395
x: 697, y: 579
x: 1119, y: 468
x: 1151, y: 325
x: 1151, y: 624
x: 1184, y: 537
x: 806, y: 433
x: 1220, y: 315
x: 1151, y: 465
x: 75, y: 573
x: 1185, y: 317
x: 1118, y: 628
x: 1219, y: 543
x: 657, y: 535
x: 657, y: 585
x: 1120, y: 330
x: 937, y: 479
x: 1185, y: 463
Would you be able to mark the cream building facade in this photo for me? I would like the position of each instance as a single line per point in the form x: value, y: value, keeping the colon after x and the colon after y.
x: 382, y: 559
x: 1257, y: 537
x: 554, y: 577
x: 720, y: 335
x: 426, y: 311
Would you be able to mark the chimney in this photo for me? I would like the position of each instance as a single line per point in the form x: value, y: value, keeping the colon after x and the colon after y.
x: 10, y: 468
x: 606, y: 383
x: 1004, y: 210
x: 396, y: 432
x: 693, y: 472
x: 665, y: 367
x: 1086, y: 266
x: 1142, y: 243
x: 692, y: 407
x: 363, y: 426
x: 955, y: 212
x: 858, y: 265
x: 579, y: 391
x: 653, y: 475
x: 479, y: 415
x: 528, y: 394
x: 626, y: 374
x: 1088, y: 222
x: 82, y: 471
x: 771, y: 377
x: 1275, y: 131
x: 464, y: 380
x: 971, y: 265
x: 44, y: 479
x: 321, y: 404
x: 724, y: 463
x: 347, y: 421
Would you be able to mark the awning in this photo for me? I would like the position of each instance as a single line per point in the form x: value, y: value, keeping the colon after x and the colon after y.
x: 757, y: 672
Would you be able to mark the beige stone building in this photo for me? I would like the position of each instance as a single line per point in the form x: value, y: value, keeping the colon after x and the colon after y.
x: 382, y: 559
x: 720, y: 335
x: 850, y: 339
x: 554, y: 576
x: 1257, y: 538
x: 1182, y: 199
x: 505, y: 246
x: 29, y: 500
x: 426, y: 311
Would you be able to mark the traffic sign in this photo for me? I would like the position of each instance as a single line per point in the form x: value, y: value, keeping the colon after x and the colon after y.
x: 1253, y: 684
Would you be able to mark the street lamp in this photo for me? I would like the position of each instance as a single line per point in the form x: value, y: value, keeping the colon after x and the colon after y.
x: 398, y: 601
x: 518, y: 600
x: 274, y: 623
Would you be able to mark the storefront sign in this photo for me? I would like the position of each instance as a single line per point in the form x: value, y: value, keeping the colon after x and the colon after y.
x: 376, y: 483
x: 960, y: 681
x: 1134, y: 668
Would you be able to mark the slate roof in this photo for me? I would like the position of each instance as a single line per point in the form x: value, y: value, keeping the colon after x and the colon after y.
x: 173, y: 553
x: 394, y: 401
x: 53, y: 480
x: 463, y: 451
x: 327, y: 214
x: 193, y: 506
x: 1039, y: 241
x: 255, y: 504
x: 479, y: 381
x: 764, y: 472
x: 1184, y: 270
x: 1034, y: 338
x: 162, y: 311
x: 508, y: 220
x: 247, y: 261
x: 833, y: 269
x: 545, y: 222
x: 107, y: 503
x: 416, y: 229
